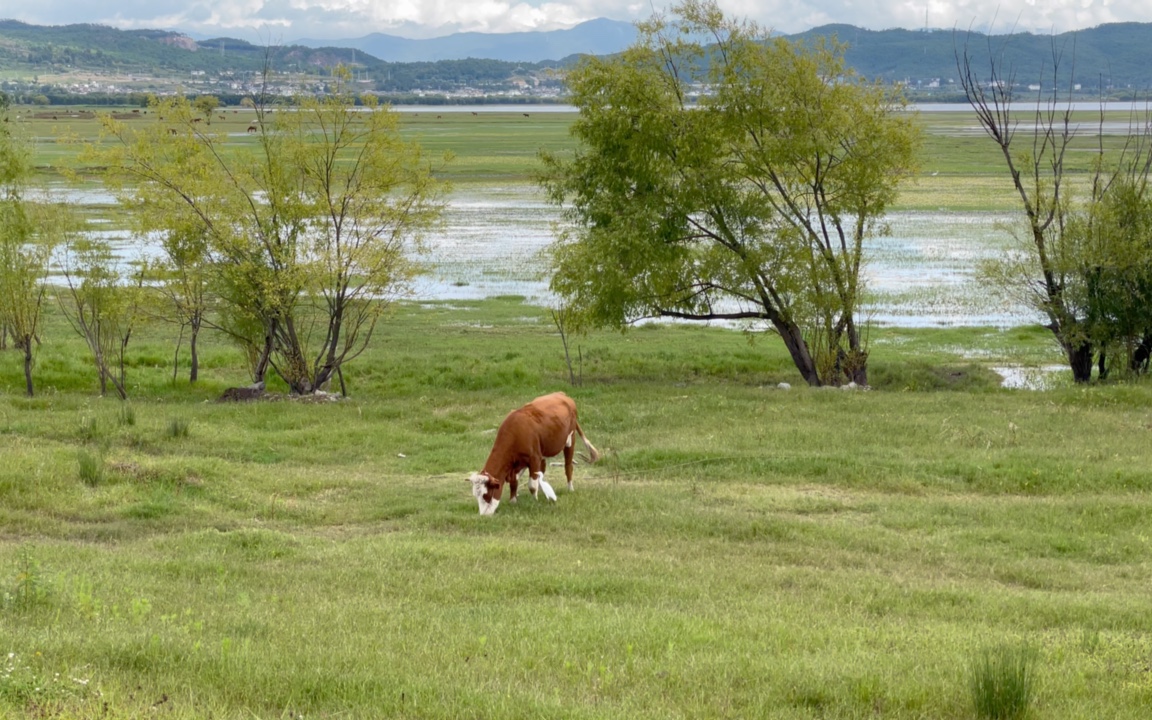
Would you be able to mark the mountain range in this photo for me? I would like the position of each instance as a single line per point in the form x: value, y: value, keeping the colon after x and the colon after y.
x: 1109, y: 58
x: 595, y: 37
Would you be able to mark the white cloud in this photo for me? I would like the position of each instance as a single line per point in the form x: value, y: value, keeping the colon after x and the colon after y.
x: 279, y: 20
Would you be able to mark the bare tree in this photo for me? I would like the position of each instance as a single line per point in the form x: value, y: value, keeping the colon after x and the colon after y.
x: 1079, y: 239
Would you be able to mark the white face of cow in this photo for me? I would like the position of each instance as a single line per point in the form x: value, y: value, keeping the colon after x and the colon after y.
x: 480, y: 489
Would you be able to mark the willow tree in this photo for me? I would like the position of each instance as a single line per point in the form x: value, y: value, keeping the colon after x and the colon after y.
x: 308, y: 230
x: 29, y: 231
x: 723, y: 174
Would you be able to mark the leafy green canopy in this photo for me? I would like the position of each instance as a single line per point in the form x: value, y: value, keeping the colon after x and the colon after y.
x: 305, y: 234
x: 29, y: 230
x: 735, y: 178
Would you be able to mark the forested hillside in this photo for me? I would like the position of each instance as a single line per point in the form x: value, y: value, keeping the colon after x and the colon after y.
x: 1109, y: 56
x: 29, y: 51
x: 1109, y: 59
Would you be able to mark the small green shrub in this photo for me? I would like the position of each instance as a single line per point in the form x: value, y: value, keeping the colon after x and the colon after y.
x: 28, y: 590
x: 1002, y: 681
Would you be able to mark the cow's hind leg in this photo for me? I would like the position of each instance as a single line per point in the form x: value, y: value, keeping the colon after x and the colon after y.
x: 569, y: 451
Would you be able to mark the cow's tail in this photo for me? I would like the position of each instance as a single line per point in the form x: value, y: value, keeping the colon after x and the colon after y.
x: 593, y: 454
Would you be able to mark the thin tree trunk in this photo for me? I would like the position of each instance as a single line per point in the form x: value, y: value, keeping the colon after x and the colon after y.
x: 28, y: 365
x: 294, y: 369
x: 194, y: 373
x: 854, y: 363
x: 265, y: 358
x: 331, y: 365
x: 176, y: 355
x: 102, y: 371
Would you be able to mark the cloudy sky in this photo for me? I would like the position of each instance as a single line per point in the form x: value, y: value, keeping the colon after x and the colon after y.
x: 286, y: 20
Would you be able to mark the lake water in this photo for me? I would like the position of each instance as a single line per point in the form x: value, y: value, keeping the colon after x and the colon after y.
x: 921, y: 274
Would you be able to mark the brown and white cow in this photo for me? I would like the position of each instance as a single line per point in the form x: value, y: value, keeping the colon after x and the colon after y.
x: 529, y: 436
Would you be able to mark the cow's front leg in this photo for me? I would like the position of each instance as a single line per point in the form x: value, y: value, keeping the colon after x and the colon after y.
x: 535, y: 475
x: 512, y: 485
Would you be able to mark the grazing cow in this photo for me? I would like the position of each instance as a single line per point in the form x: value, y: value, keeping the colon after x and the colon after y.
x: 541, y: 429
x: 252, y: 128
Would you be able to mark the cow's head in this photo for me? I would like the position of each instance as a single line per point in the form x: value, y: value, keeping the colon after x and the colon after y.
x: 487, y: 492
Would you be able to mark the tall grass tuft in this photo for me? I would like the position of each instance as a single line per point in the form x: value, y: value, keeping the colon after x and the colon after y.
x: 1002, y: 681
x: 127, y: 415
x: 90, y: 428
x: 91, y: 468
x: 179, y: 428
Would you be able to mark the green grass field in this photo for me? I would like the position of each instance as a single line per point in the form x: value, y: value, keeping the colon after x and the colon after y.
x: 501, y: 147
x: 740, y: 550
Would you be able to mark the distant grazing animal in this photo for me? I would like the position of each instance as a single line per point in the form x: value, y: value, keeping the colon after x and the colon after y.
x: 251, y: 128
x: 525, y: 114
x: 529, y: 436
